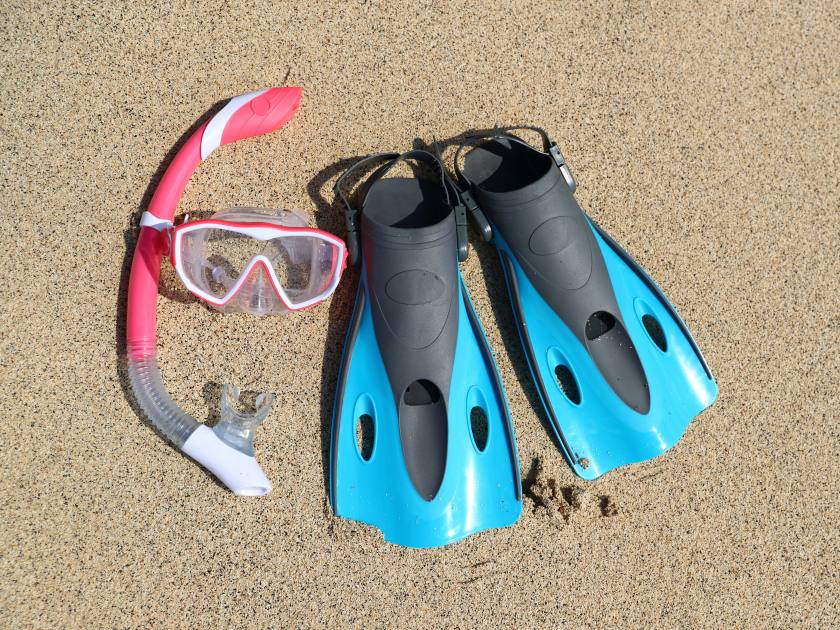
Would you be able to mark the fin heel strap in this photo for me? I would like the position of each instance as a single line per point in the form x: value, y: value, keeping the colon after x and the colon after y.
x: 465, y: 186
x: 550, y: 147
x: 351, y: 214
x: 390, y: 159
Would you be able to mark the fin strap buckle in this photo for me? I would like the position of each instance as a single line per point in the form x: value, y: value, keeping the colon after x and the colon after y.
x: 560, y: 161
x: 480, y: 222
x: 351, y: 221
x: 461, y: 231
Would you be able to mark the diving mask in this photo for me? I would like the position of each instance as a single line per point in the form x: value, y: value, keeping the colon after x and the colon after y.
x: 258, y: 261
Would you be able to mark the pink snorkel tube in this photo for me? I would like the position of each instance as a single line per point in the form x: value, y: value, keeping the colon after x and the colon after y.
x: 227, y: 449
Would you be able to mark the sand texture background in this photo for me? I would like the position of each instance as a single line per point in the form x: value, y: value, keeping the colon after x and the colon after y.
x: 704, y: 137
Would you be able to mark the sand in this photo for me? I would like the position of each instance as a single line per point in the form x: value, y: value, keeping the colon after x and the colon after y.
x: 704, y: 138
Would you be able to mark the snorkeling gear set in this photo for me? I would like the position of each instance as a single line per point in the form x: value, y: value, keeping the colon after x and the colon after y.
x: 617, y: 371
x: 255, y: 261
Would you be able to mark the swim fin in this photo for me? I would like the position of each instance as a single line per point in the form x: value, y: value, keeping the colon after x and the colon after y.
x: 618, y: 372
x: 418, y: 373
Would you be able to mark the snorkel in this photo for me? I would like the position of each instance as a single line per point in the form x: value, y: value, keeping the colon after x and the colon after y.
x: 227, y: 449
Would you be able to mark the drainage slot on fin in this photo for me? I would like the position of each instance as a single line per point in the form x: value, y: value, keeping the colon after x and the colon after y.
x: 655, y: 332
x: 479, y: 427
x: 566, y: 381
x: 424, y: 436
x: 364, y: 436
x: 599, y: 323
x: 611, y: 348
x: 421, y: 392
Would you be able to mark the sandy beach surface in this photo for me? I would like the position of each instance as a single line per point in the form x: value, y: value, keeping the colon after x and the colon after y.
x: 705, y: 139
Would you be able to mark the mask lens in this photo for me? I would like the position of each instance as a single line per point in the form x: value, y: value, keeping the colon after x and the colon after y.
x: 214, y: 258
x: 234, y: 263
x: 304, y: 264
x: 227, y: 255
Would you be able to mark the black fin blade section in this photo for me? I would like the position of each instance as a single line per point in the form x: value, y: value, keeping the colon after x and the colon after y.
x: 423, y: 434
x: 612, y: 350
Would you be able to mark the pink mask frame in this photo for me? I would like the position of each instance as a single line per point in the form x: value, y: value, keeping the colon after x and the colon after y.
x: 260, y: 231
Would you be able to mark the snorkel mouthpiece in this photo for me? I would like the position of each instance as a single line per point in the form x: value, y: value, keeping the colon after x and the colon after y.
x: 227, y: 450
x: 236, y: 428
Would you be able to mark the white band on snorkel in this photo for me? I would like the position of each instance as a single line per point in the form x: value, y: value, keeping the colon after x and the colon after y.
x: 147, y: 219
x: 212, y: 137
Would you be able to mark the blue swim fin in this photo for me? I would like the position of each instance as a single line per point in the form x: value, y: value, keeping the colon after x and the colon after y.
x: 418, y: 374
x: 618, y: 372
